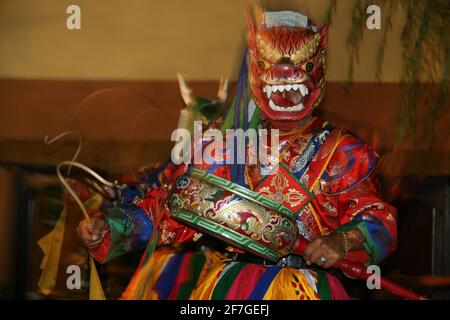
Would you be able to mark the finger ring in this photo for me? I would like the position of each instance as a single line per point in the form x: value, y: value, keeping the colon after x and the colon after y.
x: 322, y: 260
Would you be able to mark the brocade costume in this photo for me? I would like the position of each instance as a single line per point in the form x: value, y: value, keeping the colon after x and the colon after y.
x: 325, y: 180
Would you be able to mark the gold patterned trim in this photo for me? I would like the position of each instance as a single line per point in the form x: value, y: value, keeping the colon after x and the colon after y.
x: 314, y: 184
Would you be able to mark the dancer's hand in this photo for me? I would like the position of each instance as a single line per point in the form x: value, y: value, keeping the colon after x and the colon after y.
x: 325, y: 251
x: 92, y: 233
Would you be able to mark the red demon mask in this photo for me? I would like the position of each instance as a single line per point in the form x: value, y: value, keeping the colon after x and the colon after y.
x: 287, y: 69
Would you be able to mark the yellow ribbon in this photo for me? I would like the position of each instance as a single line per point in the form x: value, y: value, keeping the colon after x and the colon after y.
x: 95, y: 286
x: 51, y: 245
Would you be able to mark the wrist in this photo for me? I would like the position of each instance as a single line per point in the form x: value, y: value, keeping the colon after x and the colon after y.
x: 353, y: 240
x: 346, y: 243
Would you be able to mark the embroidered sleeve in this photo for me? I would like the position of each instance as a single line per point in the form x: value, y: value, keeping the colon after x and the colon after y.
x: 132, y: 224
x: 130, y: 228
x: 363, y: 209
x: 169, y: 230
x: 350, y: 183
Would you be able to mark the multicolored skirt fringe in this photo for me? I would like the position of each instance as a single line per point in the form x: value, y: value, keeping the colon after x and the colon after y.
x: 199, y: 276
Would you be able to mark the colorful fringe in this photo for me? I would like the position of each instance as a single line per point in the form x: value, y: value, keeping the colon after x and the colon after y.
x: 193, y: 276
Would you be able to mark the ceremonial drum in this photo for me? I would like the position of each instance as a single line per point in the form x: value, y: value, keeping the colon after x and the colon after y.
x: 235, y: 214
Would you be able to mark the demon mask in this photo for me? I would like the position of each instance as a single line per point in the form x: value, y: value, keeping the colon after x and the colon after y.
x: 286, y: 65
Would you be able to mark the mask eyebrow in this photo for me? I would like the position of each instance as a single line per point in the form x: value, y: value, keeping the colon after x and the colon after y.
x: 307, y: 50
x: 267, y: 51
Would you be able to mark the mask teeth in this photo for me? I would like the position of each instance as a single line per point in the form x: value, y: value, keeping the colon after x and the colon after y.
x: 301, y: 88
x: 269, y: 89
x: 298, y: 107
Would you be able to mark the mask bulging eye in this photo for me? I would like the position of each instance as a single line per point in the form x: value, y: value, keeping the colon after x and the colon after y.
x: 262, y: 65
x: 308, y: 67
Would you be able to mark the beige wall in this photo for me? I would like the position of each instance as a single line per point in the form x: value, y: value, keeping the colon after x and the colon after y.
x: 154, y: 39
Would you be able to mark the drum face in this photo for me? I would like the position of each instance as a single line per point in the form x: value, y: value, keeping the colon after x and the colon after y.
x: 219, y: 209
